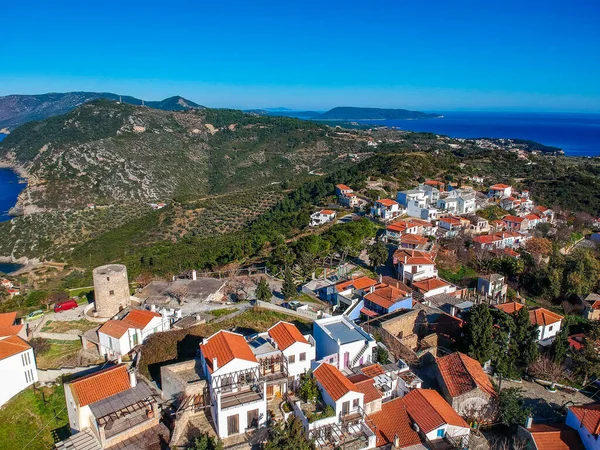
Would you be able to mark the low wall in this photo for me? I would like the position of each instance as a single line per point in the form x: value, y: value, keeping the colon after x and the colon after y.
x: 304, y: 314
x: 52, y: 375
x: 57, y: 336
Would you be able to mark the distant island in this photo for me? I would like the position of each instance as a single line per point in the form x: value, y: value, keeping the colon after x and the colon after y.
x: 16, y: 110
x: 346, y: 113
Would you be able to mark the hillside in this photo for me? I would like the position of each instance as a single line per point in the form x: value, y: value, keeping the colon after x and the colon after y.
x: 16, y: 110
x: 352, y: 113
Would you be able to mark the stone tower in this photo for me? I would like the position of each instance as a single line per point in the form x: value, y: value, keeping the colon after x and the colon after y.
x: 111, y: 289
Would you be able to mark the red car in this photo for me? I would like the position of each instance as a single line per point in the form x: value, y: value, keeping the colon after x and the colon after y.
x: 65, y: 306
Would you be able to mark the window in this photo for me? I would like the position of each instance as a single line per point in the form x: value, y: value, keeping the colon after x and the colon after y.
x: 440, y: 432
x: 291, y: 359
x: 550, y: 327
x: 111, y: 292
x: 252, y: 418
x: 355, y: 404
x: 302, y: 356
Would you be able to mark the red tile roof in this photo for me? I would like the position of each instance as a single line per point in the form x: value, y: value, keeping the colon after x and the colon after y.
x: 373, y: 370
x: 385, y: 296
x: 327, y: 212
x: 543, y: 317
x: 397, y: 227
x: 418, y: 256
x: 589, y: 417
x: 333, y: 381
x: 486, y: 239
x: 114, y: 328
x: 413, y: 239
x: 12, y: 345
x: 555, y: 437
x: 451, y: 220
x: 358, y: 283
x: 513, y: 219
x: 370, y: 391
x: 226, y: 346
x: 532, y: 217
x: 430, y: 284
x: 510, y: 307
x: 367, y: 312
x: 7, y: 319
x: 462, y: 374
x: 393, y: 420
x: 576, y: 341
x: 140, y: 318
x: 429, y: 410
x: 285, y: 334
x: 100, y: 385
x: 343, y: 187
x: 387, y: 202
x: 499, y: 186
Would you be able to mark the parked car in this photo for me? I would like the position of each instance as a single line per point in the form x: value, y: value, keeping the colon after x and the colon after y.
x: 34, y: 314
x: 65, y: 306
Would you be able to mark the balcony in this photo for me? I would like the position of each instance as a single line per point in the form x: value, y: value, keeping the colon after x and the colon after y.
x: 239, y: 398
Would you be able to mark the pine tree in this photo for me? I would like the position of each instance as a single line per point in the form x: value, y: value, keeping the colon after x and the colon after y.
x: 288, y: 288
x: 560, y: 346
x: 479, y: 333
x: 526, y: 339
x: 263, y: 292
x: 378, y: 254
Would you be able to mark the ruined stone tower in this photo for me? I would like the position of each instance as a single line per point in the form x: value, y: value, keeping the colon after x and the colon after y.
x: 111, y: 289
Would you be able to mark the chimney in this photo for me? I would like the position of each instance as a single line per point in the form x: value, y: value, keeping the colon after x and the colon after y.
x: 132, y: 378
x: 405, y: 258
x: 215, y: 364
x: 396, y: 442
x: 194, y: 274
x: 380, y: 278
x: 528, y: 422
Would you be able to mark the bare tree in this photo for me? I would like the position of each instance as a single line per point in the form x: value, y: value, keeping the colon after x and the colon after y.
x: 547, y: 369
x: 239, y: 285
x: 143, y: 279
x: 179, y: 292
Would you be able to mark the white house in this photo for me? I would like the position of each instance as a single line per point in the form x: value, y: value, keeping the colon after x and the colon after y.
x: 414, y: 265
x: 348, y: 200
x: 17, y: 366
x: 322, y: 217
x: 106, y: 403
x: 433, y: 286
x: 548, y: 324
x: 299, y: 350
x: 338, y: 391
x: 500, y: 191
x: 434, y: 417
x: 342, y: 343
x: 386, y: 209
x: 586, y: 420
x: 236, y: 387
x: 119, y: 337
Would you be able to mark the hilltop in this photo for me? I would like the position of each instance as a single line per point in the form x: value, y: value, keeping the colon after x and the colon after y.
x: 105, y: 152
x: 346, y: 113
x: 16, y: 110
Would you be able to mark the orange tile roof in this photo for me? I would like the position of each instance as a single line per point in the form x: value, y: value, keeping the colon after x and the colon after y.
x: 373, y: 370
x: 140, y: 318
x: 462, y: 374
x: 286, y: 334
x: 387, y: 202
x: 430, y: 284
x: 226, y: 346
x: 368, y: 388
x: 510, y: 307
x: 385, y: 296
x: 413, y: 239
x: 532, y: 217
x: 398, y: 227
x: 358, y: 283
x: 451, y: 220
x: 499, y: 186
x: 555, y: 437
x: 393, y: 420
x: 486, y: 239
x: 513, y: 219
x: 367, y: 312
x: 402, y: 253
x: 114, y: 328
x: 333, y: 381
x: 542, y: 317
x: 434, y: 183
x: 589, y: 417
x: 12, y: 345
x: 7, y: 319
x: 419, y: 260
x: 100, y: 385
x: 430, y: 411
x: 13, y: 330
x: 343, y: 187
x: 327, y: 211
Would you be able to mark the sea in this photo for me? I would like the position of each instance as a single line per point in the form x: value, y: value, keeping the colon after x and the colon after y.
x: 577, y: 134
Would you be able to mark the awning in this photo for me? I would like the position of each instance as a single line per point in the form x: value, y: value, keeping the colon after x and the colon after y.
x: 368, y: 312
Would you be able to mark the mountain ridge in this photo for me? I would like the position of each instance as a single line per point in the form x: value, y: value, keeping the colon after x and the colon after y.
x: 347, y: 113
x: 16, y: 109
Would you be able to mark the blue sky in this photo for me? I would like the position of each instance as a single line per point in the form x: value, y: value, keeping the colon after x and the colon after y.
x: 420, y: 54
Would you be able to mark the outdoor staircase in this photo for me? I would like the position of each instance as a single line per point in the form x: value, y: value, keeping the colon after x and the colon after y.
x: 359, y: 354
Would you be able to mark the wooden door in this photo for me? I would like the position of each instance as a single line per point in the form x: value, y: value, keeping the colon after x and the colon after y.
x: 233, y: 425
